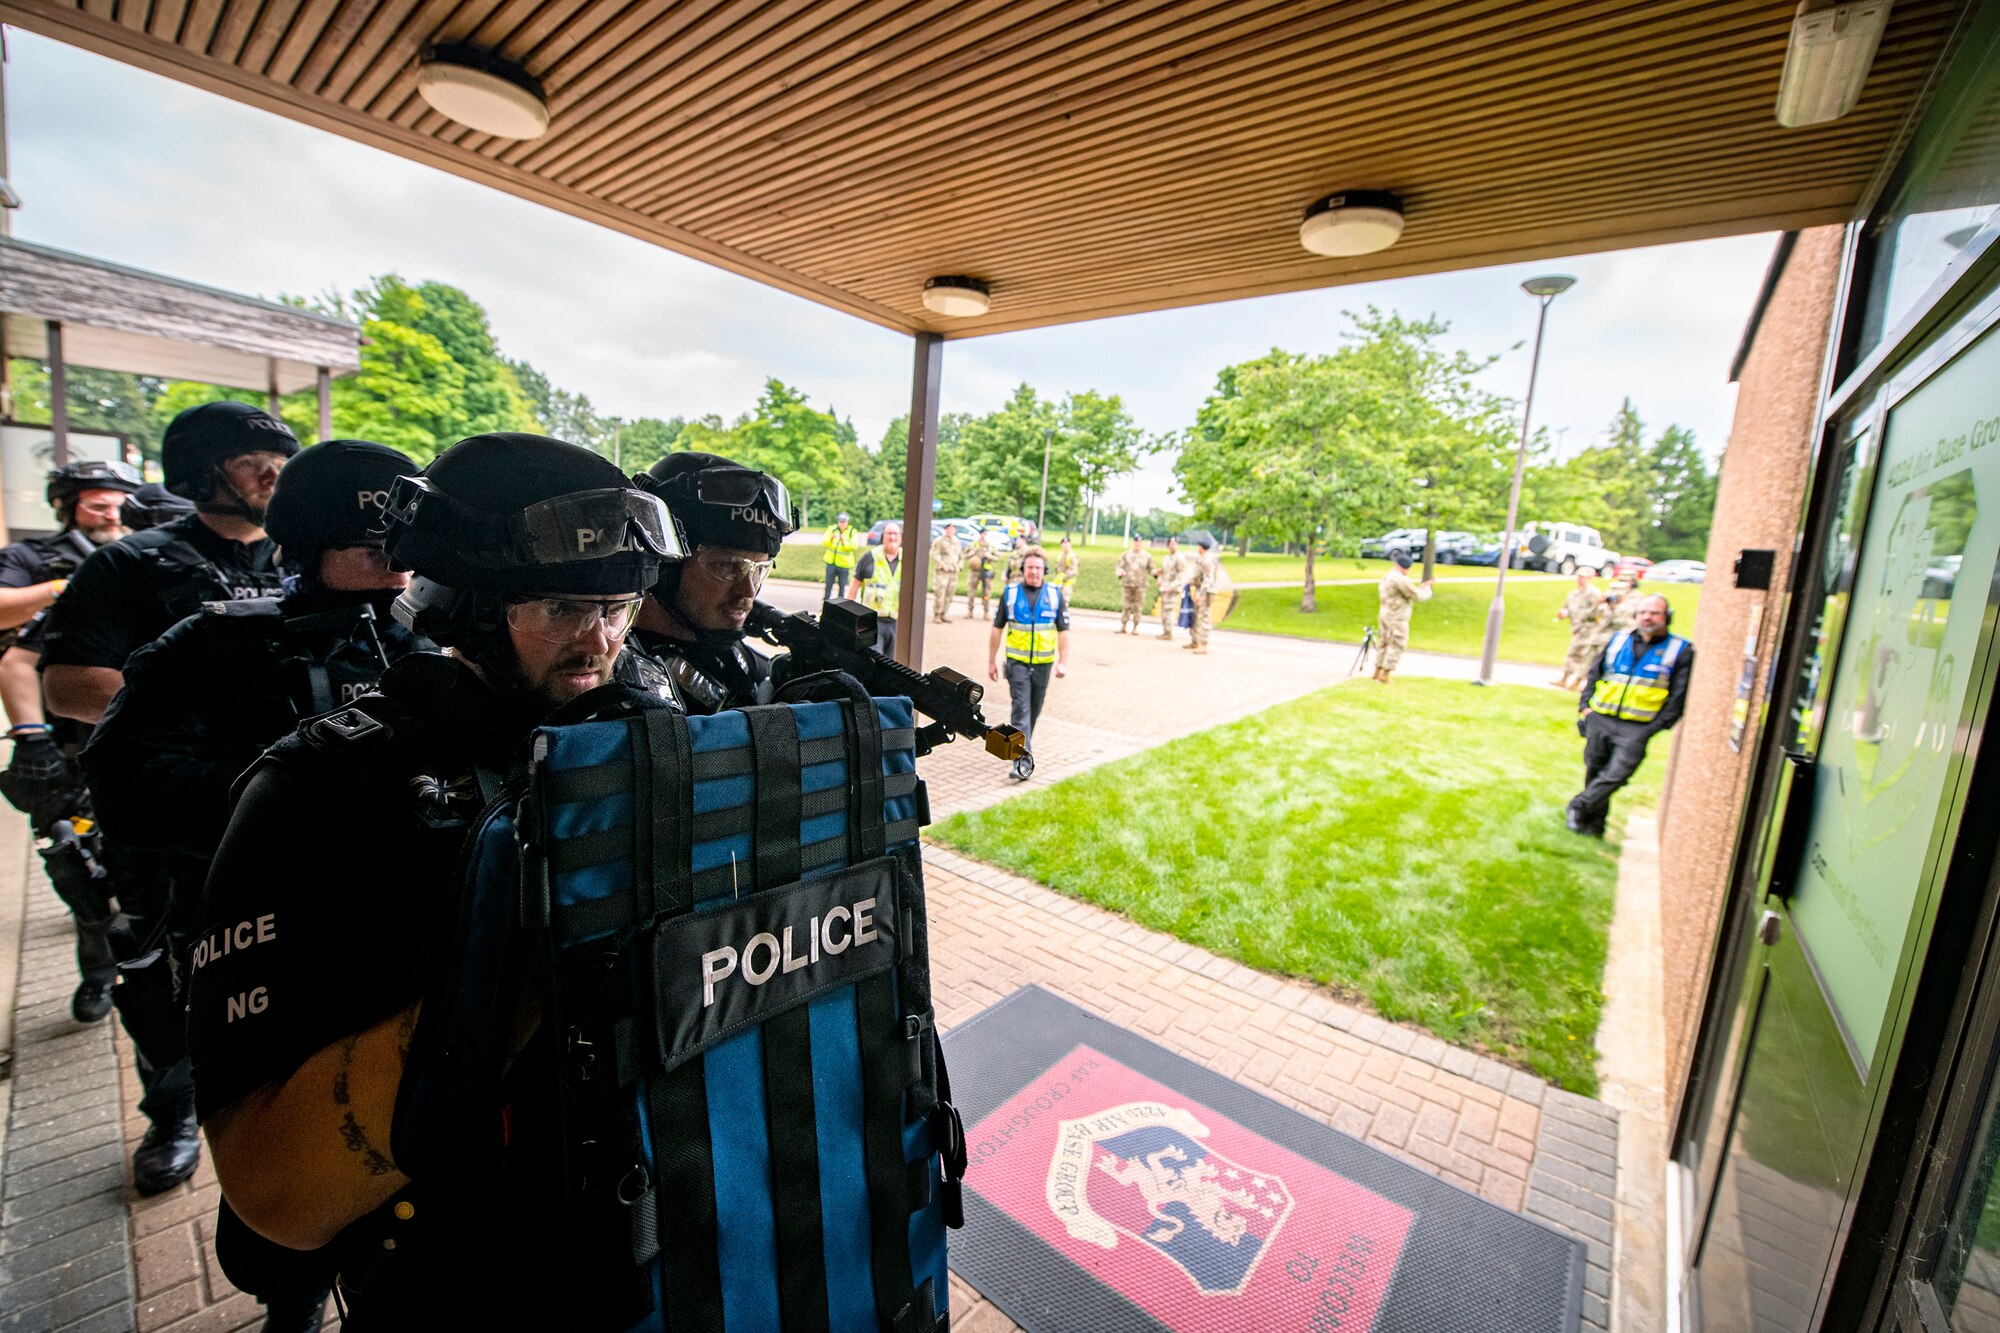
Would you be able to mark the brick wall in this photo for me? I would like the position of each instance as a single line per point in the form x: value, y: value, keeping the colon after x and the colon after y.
x: 1757, y: 505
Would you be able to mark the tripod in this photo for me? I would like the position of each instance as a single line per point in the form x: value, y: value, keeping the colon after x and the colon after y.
x: 1367, y: 646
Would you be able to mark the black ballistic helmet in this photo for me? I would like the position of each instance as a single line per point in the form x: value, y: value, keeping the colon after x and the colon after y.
x: 89, y: 474
x: 719, y: 502
x: 153, y: 504
x: 200, y: 440
x: 511, y: 515
x: 333, y: 494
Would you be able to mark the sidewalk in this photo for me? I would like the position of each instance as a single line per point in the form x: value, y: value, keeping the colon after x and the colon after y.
x: 79, y: 1250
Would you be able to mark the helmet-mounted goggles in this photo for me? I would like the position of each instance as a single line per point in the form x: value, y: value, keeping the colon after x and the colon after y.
x: 738, y: 488
x: 86, y: 474
x: 585, y: 525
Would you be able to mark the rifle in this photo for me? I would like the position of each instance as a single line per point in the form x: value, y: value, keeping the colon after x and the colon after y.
x: 843, y: 638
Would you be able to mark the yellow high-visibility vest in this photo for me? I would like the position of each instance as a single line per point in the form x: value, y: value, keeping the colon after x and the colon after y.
x: 882, y: 590
x: 838, y: 548
x: 1635, y: 681
x: 1031, y: 623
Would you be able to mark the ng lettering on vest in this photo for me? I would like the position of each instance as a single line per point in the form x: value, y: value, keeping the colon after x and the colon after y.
x: 717, y: 973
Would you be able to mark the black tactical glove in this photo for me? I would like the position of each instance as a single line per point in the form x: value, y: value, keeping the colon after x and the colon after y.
x: 1581, y: 729
x: 39, y: 781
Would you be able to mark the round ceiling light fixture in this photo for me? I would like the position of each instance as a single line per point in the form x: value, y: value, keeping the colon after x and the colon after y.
x: 483, y: 91
x: 1356, y: 222
x: 957, y: 297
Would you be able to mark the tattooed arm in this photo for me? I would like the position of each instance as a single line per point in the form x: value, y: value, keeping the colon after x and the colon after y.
x: 304, y: 1157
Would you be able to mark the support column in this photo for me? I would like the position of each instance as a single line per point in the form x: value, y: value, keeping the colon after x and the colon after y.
x: 58, y: 397
x: 325, y: 386
x: 271, y: 391
x: 919, y: 483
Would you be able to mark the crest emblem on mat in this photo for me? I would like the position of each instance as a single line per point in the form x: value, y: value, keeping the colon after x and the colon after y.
x: 1141, y: 1174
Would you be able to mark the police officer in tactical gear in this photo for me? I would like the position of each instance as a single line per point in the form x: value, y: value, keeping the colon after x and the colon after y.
x: 224, y: 457
x: 201, y: 704
x: 89, y: 498
x: 734, y: 519
x: 530, y: 558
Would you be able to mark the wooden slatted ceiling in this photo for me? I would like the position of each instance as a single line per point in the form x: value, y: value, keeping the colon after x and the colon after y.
x: 1085, y: 157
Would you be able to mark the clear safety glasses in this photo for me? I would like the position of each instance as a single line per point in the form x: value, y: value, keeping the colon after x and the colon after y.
x: 566, y: 619
x: 732, y: 569
x: 588, y: 525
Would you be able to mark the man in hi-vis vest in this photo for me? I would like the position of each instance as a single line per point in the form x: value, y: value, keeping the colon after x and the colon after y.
x: 1636, y: 689
x: 1033, y: 625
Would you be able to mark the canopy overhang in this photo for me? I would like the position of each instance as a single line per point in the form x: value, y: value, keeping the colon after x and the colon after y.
x: 117, y: 318
x: 1083, y: 158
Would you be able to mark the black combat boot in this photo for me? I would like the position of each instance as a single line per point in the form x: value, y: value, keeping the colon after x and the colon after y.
x: 167, y: 1155
x: 92, y: 1000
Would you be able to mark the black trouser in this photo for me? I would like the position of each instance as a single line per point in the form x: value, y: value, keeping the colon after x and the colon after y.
x: 1612, y: 753
x: 1027, y: 686
x: 834, y: 584
x: 147, y: 999
x: 68, y: 868
x: 885, y: 636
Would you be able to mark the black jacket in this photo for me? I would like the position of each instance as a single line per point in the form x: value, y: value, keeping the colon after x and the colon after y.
x: 201, y: 703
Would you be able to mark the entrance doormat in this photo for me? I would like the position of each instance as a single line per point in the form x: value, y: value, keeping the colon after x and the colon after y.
x: 1116, y: 1186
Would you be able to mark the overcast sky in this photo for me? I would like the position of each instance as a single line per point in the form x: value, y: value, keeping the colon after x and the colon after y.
x: 131, y: 167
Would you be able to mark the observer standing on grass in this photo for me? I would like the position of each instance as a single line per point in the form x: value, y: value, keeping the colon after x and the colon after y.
x: 1636, y: 690
x: 1397, y: 594
x: 1033, y: 624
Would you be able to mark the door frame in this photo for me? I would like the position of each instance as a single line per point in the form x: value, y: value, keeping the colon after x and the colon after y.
x: 1907, y: 1115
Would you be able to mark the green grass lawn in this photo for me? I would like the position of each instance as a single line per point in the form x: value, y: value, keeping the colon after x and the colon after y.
x: 1452, y: 621
x: 1097, y: 580
x: 1404, y: 845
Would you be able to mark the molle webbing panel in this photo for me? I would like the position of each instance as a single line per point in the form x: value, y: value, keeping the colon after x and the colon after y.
x: 743, y: 894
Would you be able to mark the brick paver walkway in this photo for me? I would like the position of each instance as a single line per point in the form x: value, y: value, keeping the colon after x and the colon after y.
x: 1479, y: 1124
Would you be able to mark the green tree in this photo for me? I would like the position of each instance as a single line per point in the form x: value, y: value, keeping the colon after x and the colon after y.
x: 1102, y: 442
x: 790, y: 439
x: 1683, y: 498
x: 1003, y: 453
x: 644, y: 441
x: 1300, y: 447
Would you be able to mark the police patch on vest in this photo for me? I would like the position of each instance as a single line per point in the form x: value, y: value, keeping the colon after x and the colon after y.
x: 719, y: 973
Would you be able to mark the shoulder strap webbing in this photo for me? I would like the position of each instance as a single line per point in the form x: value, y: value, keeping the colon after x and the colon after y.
x: 663, y: 811
x: 790, y: 1121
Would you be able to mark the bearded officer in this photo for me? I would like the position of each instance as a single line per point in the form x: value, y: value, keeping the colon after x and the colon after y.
x: 1395, y: 596
x: 734, y: 519
x: 304, y: 988
x: 225, y: 457
x: 946, y: 556
x: 89, y: 498
x: 1636, y: 689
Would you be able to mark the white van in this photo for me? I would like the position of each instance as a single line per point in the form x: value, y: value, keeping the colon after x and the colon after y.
x: 1564, y: 548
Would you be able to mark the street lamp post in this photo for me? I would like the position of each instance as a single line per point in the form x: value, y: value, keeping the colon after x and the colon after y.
x: 1544, y: 290
x: 1042, y: 509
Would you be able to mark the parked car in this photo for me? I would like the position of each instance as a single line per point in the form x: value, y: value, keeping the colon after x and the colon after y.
x: 1488, y: 553
x: 1453, y: 548
x: 961, y: 528
x: 1401, y: 539
x: 1013, y: 525
x: 1678, y: 571
x: 1637, y: 568
x: 1564, y: 548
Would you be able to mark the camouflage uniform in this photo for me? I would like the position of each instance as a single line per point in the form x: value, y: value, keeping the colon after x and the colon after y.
x: 946, y: 557
x: 1589, y: 617
x: 1627, y: 595
x: 1398, y: 593
x: 1204, y: 577
x: 979, y: 577
x: 1171, y: 575
x: 1062, y: 570
x: 1135, y: 571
